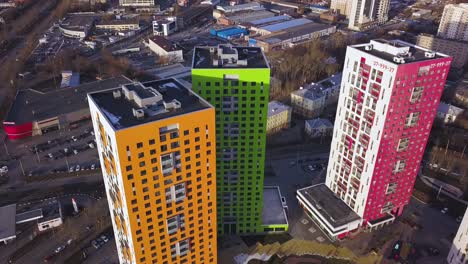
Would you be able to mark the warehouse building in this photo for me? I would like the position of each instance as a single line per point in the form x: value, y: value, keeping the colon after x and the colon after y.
x: 77, y: 25
x: 292, y: 36
x: 34, y: 112
x: 243, y: 17
x: 164, y: 48
x: 229, y: 33
x: 285, y: 25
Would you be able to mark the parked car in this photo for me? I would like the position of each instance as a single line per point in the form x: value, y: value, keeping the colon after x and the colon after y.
x: 74, y: 138
x: 77, y: 168
x: 93, y: 166
x: 75, y: 151
x: 104, y: 238
x: 72, y: 168
x: 444, y: 210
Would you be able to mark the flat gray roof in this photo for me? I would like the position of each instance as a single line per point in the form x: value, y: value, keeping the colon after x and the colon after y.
x: 203, y: 58
x: 31, y: 105
x: 417, y: 53
x: 7, y: 222
x: 119, y: 110
x: 332, y: 208
x: 294, y: 32
x: 273, y: 211
x: 29, y: 216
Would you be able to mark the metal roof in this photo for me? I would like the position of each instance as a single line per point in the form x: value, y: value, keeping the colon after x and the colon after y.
x: 275, y: 107
x: 7, y: 222
x: 286, y: 24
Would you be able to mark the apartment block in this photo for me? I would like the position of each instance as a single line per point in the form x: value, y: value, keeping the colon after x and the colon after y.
x: 279, y: 116
x: 457, y: 49
x: 459, y: 250
x: 389, y: 96
x: 236, y: 81
x: 156, y: 143
x: 342, y: 7
x: 368, y: 13
x: 310, y: 101
x: 454, y: 22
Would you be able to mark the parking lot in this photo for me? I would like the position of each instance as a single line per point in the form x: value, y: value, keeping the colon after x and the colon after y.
x: 54, y: 153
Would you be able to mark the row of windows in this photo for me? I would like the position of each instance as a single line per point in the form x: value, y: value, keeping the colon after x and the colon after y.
x: 234, y: 83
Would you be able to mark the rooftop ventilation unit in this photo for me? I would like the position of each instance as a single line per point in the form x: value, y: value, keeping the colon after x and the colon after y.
x: 369, y: 47
x: 399, y: 59
x: 117, y: 94
x: 172, y: 105
x: 429, y: 54
x: 138, y: 113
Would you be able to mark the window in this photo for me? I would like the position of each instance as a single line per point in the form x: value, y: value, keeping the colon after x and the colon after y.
x: 403, y: 144
x: 423, y: 71
x: 412, y: 119
x: 416, y: 94
x: 399, y: 166
x: 391, y: 188
x: 139, y: 145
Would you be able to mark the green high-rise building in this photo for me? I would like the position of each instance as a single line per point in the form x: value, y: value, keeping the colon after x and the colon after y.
x: 236, y: 81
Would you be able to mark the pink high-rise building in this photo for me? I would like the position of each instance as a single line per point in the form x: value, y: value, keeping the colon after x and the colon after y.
x: 389, y: 95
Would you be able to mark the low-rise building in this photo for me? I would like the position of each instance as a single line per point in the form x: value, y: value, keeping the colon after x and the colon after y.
x: 448, y: 113
x: 457, y: 49
x: 51, y: 216
x: 310, y: 101
x: 77, y: 25
x: 421, y: 13
x: 292, y: 36
x: 279, y: 116
x: 243, y: 17
x: 164, y: 48
x: 318, y: 127
x: 36, y: 112
x: 119, y: 25
x: 459, y: 251
x: 165, y: 26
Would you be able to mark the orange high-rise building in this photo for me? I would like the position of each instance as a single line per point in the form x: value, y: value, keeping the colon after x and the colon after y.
x: 156, y: 143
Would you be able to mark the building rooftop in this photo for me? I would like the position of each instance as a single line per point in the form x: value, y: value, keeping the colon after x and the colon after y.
x: 319, y: 122
x: 269, y: 20
x: 162, y: 42
x: 138, y: 103
x: 29, y: 216
x: 275, y: 107
x: 397, y: 51
x: 449, y: 109
x: 317, y: 90
x: 286, y: 25
x: 293, y: 32
x: 273, y: 211
x: 79, y: 21
x: 226, y: 56
x: 236, y: 8
x: 336, y: 212
x: 7, y: 222
x: 31, y: 105
x: 119, y: 22
x: 176, y: 70
x: 51, y: 210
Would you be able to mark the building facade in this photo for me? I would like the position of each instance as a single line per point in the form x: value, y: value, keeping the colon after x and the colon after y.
x: 236, y: 80
x: 368, y: 13
x: 342, y: 7
x: 279, y: 116
x: 311, y: 101
x: 319, y: 127
x: 136, y: 3
x: 164, y: 48
x: 457, y: 49
x: 458, y: 253
x: 389, y: 95
x: 156, y: 143
x: 454, y: 22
